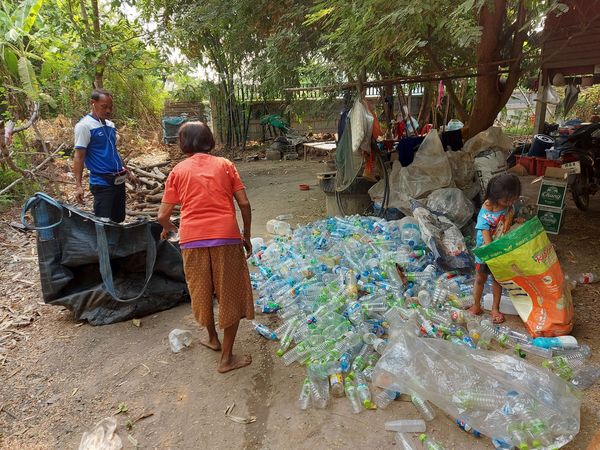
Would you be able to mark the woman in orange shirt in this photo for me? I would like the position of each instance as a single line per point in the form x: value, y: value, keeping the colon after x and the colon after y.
x: 210, y: 239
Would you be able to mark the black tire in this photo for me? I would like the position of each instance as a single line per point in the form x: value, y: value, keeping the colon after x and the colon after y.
x: 580, y: 190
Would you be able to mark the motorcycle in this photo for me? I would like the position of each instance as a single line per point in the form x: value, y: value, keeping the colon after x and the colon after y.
x: 581, y: 156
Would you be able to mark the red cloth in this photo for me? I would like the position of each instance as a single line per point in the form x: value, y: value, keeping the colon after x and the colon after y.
x: 204, y: 185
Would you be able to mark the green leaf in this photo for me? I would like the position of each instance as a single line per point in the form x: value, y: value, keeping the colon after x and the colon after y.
x: 11, y: 62
x: 28, y: 79
x: 48, y: 99
x: 29, y: 14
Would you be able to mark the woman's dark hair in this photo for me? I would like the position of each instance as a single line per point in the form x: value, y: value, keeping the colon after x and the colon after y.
x: 503, y: 186
x: 195, y: 137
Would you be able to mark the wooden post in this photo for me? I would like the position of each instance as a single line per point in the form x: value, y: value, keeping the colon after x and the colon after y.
x: 540, y: 105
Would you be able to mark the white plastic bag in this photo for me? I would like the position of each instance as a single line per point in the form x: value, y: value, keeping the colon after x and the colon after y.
x: 489, y: 164
x: 430, y: 170
x: 496, y: 393
x: 452, y: 203
x: 361, y: 124
x: 493, y: 137
x: 103, y: 436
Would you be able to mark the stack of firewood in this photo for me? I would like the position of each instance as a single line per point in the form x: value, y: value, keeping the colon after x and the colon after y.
x: 148, y: 194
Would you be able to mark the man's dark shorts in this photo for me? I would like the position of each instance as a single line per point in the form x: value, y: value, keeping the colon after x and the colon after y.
x: 109, y: 201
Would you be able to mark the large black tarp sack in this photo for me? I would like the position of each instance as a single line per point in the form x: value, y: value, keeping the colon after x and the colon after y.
x: 103, y: 271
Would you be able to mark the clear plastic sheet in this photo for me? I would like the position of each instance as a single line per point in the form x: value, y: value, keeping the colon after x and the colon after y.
x: 452, y: 203
x: 501, y: 396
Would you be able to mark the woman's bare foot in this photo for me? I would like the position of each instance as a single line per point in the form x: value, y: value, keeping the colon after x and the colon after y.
x: 234, y: 362
x: 497, y: 317
x: 213, y: 344
x: 475, y: 310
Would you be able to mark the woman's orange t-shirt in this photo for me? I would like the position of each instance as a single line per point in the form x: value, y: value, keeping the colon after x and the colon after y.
x: 204, y: 185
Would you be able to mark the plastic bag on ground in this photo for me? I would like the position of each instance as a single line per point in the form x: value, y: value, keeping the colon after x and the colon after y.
x: 452, y: 203
x: 103, y: 436
x: 493, y: 137
x: 501, y: 396
x: 524, y: 262
x: 429, y: 171
x: 179, y: 339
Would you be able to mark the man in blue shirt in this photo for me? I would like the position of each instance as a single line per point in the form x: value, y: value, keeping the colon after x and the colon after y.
x: 96, y: 148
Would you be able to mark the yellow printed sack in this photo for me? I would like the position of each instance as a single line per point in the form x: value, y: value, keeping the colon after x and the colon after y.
x: 525, y: 264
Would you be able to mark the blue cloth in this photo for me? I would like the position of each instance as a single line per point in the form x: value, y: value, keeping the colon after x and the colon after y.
x: 493, y: 221
x: 99, y: 140
x: 407, y: 146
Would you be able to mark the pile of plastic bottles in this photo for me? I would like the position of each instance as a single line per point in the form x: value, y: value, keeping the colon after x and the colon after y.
x: 341, y: 285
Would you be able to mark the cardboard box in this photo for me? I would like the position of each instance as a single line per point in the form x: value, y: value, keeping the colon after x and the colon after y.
x: 553, y: 188
x: 551, y: 218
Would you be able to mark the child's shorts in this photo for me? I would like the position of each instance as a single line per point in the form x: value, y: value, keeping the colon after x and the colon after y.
x: 482, y: 268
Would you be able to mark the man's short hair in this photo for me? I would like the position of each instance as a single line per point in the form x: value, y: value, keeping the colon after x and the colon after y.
x: 97, y: 93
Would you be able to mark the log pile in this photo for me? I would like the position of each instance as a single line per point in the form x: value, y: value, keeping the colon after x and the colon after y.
x: 144, y: 200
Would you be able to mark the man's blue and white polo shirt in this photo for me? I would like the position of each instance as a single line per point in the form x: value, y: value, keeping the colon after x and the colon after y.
x: 99, y: 140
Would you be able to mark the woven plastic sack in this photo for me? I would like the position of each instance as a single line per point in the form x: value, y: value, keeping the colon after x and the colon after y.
x: 495, y: 393
x: 525, y: 264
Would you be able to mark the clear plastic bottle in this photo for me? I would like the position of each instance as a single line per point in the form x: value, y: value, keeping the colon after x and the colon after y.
x: 304, y: 399
x: 586, y: 377
x: 519, y: 436
x: 352, y: 396
x: 423, y: 407
x: 337, y: 384
x: 588, y: 277
x: 294, y: 354
x: 429, y: 443
x: 364, y: 393
x: 385, y: 397
x: 279, y: 227
x: 410, y: 234
x: 485, y: 401
x: 440, y: 295
x: 264, y: 330
x: 424, y: 298
x: 405, y: 442
x: 406, y: 426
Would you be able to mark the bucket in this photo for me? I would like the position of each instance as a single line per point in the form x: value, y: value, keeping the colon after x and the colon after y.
x: 540, y: 144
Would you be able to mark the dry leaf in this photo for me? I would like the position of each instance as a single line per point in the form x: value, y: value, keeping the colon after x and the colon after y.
x: 136, y: 323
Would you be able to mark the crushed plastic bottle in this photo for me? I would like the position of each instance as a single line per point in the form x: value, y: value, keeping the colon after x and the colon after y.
x: 179, y: 339
x: 406, y: 426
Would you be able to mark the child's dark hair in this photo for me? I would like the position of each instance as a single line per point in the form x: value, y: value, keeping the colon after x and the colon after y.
x: 503, y: 186
x: 195, y: 137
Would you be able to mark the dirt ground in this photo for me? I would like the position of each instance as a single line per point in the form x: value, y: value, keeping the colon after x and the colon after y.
x: 58, y: 378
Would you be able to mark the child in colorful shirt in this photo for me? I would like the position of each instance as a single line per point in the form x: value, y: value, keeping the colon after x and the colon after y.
x: 493, y: 221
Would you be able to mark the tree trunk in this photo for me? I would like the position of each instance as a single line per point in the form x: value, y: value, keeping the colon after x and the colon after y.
x: 101, y: 63
x: 491, y: 94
